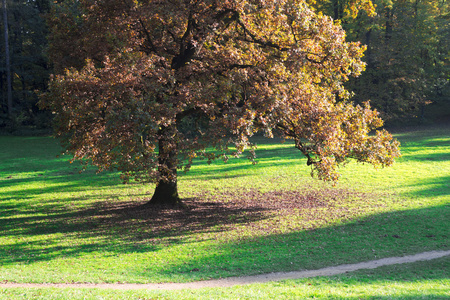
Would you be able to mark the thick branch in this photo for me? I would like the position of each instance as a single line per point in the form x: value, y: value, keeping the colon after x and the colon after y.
x: 147, y: 34
x: 238, y: 66
x: 271, y: 44
x: 255, y: 40
x: 286, y: 130
x: 298, y: 143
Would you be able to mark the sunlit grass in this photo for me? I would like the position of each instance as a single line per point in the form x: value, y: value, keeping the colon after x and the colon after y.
x: 422, y: 280
x: 68, y: 227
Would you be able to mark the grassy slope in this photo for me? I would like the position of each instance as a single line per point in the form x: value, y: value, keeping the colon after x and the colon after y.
x: 59, y: 224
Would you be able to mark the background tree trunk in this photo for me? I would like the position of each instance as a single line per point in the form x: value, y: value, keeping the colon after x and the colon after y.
x: 8, y: 63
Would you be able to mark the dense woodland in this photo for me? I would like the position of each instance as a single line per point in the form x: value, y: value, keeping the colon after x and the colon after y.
x: 407, y: 56
x: 407, y: 74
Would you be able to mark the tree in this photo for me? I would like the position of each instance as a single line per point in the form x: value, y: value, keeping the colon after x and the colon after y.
x: 29, y: 67
x: 407, y: 57
x: 7, y: 59
x: 407, y: 52
x: 146, y: 86
x: 343, y: 10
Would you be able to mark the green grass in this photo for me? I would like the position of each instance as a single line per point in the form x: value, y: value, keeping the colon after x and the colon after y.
x: 57, y: 225
x: 422, y: 280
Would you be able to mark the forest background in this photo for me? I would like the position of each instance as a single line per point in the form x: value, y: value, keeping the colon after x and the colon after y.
x: 407, y: 76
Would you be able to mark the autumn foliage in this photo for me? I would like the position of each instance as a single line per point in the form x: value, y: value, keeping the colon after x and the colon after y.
x: 146, y: 86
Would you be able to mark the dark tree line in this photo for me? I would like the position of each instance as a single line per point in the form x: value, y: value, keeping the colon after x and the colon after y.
x: 407, y: 56
x: 29, y: 68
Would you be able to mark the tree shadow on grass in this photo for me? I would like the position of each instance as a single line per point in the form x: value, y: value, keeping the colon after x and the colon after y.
x: 22, y: 197
x: 431, y: 157
x: 113, y: 226
x: 438, y: 186
x: 416, y: 275
x: 361, y: 239
x: 124, y: 227
x: 53, y: 229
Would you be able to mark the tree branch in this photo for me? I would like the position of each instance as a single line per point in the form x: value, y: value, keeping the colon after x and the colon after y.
x: 255, y: 40
x: 147, y: 34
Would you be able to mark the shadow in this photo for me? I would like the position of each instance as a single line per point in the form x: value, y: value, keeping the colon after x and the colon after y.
x: 126, y: 223
x: 211, y: 174
x: 415, y: 271
x: 437, y: 151
x: 368, y: 238
x: 431, y: 141
x: 56, y: 183
x: 437, y: 186
x: 17, y: 196
x: 124, y: 227
x: 404, y: 281
x: 421, y: 131
x: 412, y: 142
x: 437, y: 157
x: 243, y: 169
x: 40, y: 156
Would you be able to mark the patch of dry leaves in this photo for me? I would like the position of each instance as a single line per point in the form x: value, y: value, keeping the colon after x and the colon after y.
x: 247, y: 213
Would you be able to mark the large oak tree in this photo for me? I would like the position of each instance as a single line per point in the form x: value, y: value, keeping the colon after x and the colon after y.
x: 146, y: 86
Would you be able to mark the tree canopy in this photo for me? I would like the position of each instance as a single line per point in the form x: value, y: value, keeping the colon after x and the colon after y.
x: 146, y: 86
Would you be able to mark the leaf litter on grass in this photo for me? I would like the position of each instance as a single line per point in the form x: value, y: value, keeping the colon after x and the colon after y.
x: 232, y: 214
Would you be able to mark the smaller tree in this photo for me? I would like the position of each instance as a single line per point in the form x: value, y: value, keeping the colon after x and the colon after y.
x: 138, y: 71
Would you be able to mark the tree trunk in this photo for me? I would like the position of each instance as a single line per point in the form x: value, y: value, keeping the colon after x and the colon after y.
x: 338, y: 10
x: 8, y: 64
x: 166, y: 192
x: 369, y: 49
x: 388, y: 24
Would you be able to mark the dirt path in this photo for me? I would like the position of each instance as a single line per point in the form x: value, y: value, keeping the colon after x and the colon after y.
x: 227, y: 282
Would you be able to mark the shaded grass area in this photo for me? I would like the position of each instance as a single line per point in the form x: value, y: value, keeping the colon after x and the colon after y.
x: 110, y: 252
x: 421, y: 280
x: 241, y: 219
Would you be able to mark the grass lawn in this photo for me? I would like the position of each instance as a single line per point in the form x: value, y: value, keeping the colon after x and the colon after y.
x: 57, y: 225
x: 423, y: 280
